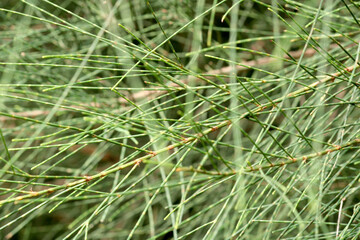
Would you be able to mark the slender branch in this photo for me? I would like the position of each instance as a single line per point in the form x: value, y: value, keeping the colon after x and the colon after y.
x: 188, y: 140
x: 151, y: 94
x: 305, y: 159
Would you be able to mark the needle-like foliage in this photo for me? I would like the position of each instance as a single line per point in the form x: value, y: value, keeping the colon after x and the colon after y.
x: 179, y: 119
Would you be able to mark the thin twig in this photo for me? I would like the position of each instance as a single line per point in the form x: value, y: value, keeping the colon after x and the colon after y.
x: 305, y: 159
x: 151, y: 94
x: 339, y: 217
x: 188, y: 140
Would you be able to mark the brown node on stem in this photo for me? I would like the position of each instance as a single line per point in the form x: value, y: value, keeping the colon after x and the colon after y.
x: 152, y: 153
x: 213, y: 129
x: 337, y: 147
x: 34, y: 194
x: 185, y: 140
x: 261, y: 107
x: 348, y: 69
x: 137, y: 162
x: 171, y: 147
x: 49, y: 191
x: 251, y: 168
x: 199, y: 135
x: 18, y: 199
x: 88, y: 178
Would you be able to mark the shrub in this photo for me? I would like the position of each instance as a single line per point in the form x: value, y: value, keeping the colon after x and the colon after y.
x: 179, y: 119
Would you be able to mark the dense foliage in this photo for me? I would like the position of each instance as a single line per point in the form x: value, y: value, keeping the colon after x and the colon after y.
x: 179, y: 119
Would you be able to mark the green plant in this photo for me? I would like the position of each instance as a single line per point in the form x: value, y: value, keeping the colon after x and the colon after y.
x: 179, y: 119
